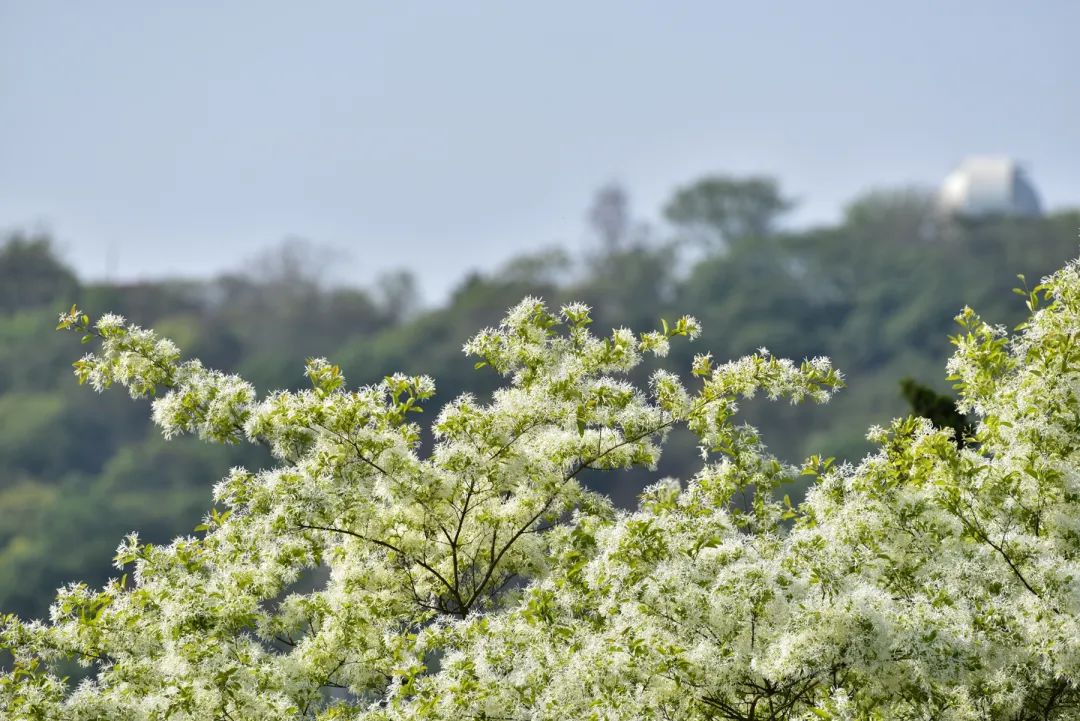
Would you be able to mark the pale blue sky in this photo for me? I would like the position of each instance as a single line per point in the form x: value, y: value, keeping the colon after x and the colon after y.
x: 444, y: 136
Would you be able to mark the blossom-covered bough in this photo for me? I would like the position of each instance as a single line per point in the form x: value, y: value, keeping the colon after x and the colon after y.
x: 484, y: 581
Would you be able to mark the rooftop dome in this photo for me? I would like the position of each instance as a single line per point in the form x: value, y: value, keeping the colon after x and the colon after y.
x: 985, y: 186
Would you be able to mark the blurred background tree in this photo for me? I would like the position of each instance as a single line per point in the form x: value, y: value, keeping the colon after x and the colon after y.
x: 30, y: 273
x: 722, y: 209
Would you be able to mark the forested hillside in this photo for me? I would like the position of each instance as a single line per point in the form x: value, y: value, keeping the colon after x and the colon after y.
x: 876, y: 293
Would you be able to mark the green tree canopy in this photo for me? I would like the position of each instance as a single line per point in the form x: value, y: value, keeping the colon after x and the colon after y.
x: 728, y: 209
x: 30, y: 273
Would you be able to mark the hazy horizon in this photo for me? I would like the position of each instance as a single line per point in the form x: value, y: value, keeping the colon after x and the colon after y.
x: 183, y: 140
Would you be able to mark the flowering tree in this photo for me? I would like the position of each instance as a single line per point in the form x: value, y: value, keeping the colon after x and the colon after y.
x: 484, y: 581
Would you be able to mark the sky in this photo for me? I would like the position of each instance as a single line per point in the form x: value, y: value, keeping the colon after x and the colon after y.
x: 155, y: 138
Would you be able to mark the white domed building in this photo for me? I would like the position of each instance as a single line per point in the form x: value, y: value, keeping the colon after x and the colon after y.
x: 988, y: 186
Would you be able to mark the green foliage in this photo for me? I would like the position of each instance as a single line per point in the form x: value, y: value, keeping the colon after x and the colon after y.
x: 30, y: 273
x: 939, y: 409
x: 729, y: 209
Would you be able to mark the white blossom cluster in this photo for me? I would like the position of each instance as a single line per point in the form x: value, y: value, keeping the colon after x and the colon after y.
x: 482, y: 580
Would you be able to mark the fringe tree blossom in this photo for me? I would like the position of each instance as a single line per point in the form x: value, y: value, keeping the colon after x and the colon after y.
x: 482, y: 580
